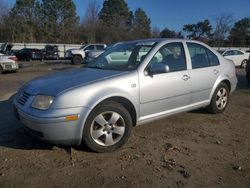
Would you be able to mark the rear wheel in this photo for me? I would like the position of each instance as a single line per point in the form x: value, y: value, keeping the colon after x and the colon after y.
x: 77, y: 60
x: 220, y: 99
x: 28, y: 58
x: 244, y: 63
x: 107, y: 128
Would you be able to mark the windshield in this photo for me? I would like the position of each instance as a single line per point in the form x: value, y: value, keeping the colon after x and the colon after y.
x: 123, y: 57
x: 82, y: 46
x: 221, y: 51
x: 2, y: 47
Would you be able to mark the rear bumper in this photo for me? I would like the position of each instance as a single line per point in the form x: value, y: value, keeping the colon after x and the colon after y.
x: 55, y: 130
x: 10, y: 67
x: 233, y: 82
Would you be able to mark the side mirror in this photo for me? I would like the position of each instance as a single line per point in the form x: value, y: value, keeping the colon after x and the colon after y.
x: 158, y: 68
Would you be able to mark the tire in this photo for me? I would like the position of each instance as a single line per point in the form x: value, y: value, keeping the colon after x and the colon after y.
x: 1, y: 70
x: 28, y: 58
x: 244, y: 64
x: 107, y: 136
x: 220, y: 99
x: 248, y: 76
x: 77, y: 59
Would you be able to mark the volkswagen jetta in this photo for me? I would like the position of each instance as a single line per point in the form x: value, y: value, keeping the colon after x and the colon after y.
x: 130, y: 84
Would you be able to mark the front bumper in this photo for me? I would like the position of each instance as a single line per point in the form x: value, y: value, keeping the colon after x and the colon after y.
x: 55, y: 130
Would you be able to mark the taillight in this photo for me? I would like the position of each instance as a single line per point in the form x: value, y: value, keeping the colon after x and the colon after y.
x: 14, y: 58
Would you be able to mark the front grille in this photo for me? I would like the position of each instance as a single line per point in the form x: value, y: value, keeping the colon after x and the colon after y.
x: 23, y: 97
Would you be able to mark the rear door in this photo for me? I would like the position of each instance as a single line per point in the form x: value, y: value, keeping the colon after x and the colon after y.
x: 204, y: 73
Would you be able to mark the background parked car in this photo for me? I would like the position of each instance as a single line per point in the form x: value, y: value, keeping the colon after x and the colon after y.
x: 237, y: 56
x: 91, y: 55
x: 77, y: 56
x: 8, y: 63
x: 29, y: 54
x: 51, y: 52
x: 248, y: 70
x: 5, y: 48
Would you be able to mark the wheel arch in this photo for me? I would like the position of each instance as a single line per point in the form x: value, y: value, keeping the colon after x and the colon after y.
x: 227, y: 82
x: 223, y: 79
x: 124, y: 101
x: 126, y: 104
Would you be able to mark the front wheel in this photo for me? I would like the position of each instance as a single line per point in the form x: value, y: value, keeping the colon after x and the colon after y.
x: 77, y: 59
x: 220, y: 99
x: 1, y: 69
x: 107, y: 128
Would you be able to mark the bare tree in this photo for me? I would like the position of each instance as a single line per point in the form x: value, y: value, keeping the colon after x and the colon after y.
x: 155, y: 32
x: 91, y: 23
x: 4, y: 11
x: 224, y: 24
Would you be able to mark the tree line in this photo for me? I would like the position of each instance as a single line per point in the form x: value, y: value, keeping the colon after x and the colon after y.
x: 46, y: 21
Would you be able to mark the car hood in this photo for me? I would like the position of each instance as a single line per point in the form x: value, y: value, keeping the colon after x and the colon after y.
x: 72, y: 49
x: 56, y: 83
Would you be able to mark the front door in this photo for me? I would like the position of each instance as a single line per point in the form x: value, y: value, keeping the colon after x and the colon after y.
x: 165, y: 92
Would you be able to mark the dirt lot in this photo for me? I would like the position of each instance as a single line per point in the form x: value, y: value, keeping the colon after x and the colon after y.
x: 193, y: 149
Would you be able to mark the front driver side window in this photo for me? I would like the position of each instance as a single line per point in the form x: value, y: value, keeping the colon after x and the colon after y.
x: 91, y: 47
x: 171, y: 54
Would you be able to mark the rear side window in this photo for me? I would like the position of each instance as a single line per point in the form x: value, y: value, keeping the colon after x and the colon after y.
x: 212, y: 58
x: 201, y: 56
x: 99, y: 47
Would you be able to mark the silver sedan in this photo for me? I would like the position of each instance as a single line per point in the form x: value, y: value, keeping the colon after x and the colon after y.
x: 130, y: 84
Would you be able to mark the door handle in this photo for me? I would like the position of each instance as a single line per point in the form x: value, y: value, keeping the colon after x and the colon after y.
x: 185, y: 77
x: 216, y: 71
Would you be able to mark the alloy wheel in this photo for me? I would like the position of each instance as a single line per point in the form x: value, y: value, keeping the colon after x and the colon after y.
x: 221, y: 98
x: 107, y: 128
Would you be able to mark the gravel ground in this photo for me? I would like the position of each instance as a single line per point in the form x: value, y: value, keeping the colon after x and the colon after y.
x: 193, y: 149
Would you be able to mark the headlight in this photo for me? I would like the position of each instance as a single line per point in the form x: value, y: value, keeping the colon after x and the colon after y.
x: 42, y: 102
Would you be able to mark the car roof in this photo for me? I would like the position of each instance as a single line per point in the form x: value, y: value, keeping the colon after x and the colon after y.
x: 158, y: 40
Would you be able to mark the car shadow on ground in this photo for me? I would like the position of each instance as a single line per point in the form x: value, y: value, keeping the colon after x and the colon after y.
x: 242, y: 82
x: 13, y: 135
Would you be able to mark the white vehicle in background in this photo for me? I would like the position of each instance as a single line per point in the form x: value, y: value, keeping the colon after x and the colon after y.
x: 77, y: 56
x: 237, y: 56
x: 8, y: 63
